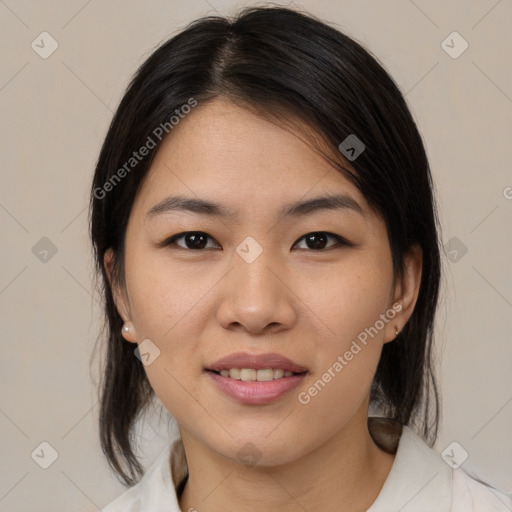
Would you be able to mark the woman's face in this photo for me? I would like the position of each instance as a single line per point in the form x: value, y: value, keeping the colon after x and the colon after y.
x: 253, y: 284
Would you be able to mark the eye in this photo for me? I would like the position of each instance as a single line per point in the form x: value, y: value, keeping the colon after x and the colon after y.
x: 318, y: 240
x: 198, y: 240
x: 195, y: 240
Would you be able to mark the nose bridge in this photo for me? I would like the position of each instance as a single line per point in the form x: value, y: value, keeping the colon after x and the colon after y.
x: 253, y: 275
x: 253, y: 295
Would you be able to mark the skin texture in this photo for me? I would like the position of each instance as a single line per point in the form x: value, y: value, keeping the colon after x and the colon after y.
x: 309, y: 305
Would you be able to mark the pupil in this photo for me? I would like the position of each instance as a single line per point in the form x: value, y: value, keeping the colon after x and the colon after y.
x: 320, y: 242
x: 196, y: 240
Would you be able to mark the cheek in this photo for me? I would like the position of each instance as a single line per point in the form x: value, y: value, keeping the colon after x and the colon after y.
x: 169, y: 306
x: 164, y: 297
x: 348, y: 299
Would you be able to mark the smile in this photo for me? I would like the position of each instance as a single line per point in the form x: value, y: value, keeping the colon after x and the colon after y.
x: 250, y: 374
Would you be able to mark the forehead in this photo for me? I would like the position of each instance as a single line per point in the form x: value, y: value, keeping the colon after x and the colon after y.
x: 229, y: 154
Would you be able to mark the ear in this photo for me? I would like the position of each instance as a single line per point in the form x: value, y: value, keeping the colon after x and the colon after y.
x: 406, y: 292
x: 120, y: 297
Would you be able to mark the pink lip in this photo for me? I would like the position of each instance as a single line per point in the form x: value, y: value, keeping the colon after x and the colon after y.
x: 257, y: 362
x: 255, y: 392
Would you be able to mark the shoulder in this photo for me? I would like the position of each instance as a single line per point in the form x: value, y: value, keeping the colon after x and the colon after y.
x: 471, y: 495
x: 420, y: 480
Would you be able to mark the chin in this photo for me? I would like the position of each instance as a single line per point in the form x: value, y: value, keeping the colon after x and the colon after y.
x: 259, y: 450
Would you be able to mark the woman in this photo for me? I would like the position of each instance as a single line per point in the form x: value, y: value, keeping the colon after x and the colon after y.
x: 264, y: 224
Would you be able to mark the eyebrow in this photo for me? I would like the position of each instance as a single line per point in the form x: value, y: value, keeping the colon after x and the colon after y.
x: 298, y: 209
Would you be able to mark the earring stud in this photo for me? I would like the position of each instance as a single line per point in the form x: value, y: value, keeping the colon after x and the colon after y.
x: 126, y: 328
x: 396, y: 331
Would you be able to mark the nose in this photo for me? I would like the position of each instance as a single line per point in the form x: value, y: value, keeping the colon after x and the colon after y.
x: 256, y: 297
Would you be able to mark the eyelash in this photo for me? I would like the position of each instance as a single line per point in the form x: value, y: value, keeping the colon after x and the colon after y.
x: 340, y: 241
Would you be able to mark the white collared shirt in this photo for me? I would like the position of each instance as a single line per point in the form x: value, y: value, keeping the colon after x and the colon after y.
x: 419, y: 481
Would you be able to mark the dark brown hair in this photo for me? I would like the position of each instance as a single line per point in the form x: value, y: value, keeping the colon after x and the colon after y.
x: 288, y: 65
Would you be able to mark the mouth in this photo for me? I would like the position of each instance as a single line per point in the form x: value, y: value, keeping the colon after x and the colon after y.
x: 256, y: 379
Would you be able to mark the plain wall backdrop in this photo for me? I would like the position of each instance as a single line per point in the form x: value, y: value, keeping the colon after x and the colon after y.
x: 54, y: 115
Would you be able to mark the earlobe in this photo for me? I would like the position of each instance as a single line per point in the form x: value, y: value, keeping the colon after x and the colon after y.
x: 393, y: 329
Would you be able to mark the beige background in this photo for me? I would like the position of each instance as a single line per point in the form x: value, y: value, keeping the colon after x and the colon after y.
x: 55, y: 113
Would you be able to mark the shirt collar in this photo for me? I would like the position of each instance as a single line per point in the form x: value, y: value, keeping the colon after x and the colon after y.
x: 158, y: 484
x: 419, y: 479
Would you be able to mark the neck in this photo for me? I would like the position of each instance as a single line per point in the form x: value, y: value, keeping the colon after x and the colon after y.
x: 348, y: 468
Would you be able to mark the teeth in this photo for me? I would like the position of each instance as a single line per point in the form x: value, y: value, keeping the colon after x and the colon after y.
x: 234, y: 373
x: 263, y: 375
x: 247, y: 375
x: 250, y: 374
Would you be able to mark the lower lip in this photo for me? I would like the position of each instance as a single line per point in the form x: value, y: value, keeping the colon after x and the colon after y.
x: 256, y: 392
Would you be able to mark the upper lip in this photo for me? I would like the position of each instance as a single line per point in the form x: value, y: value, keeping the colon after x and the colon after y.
x: 257, y: 362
